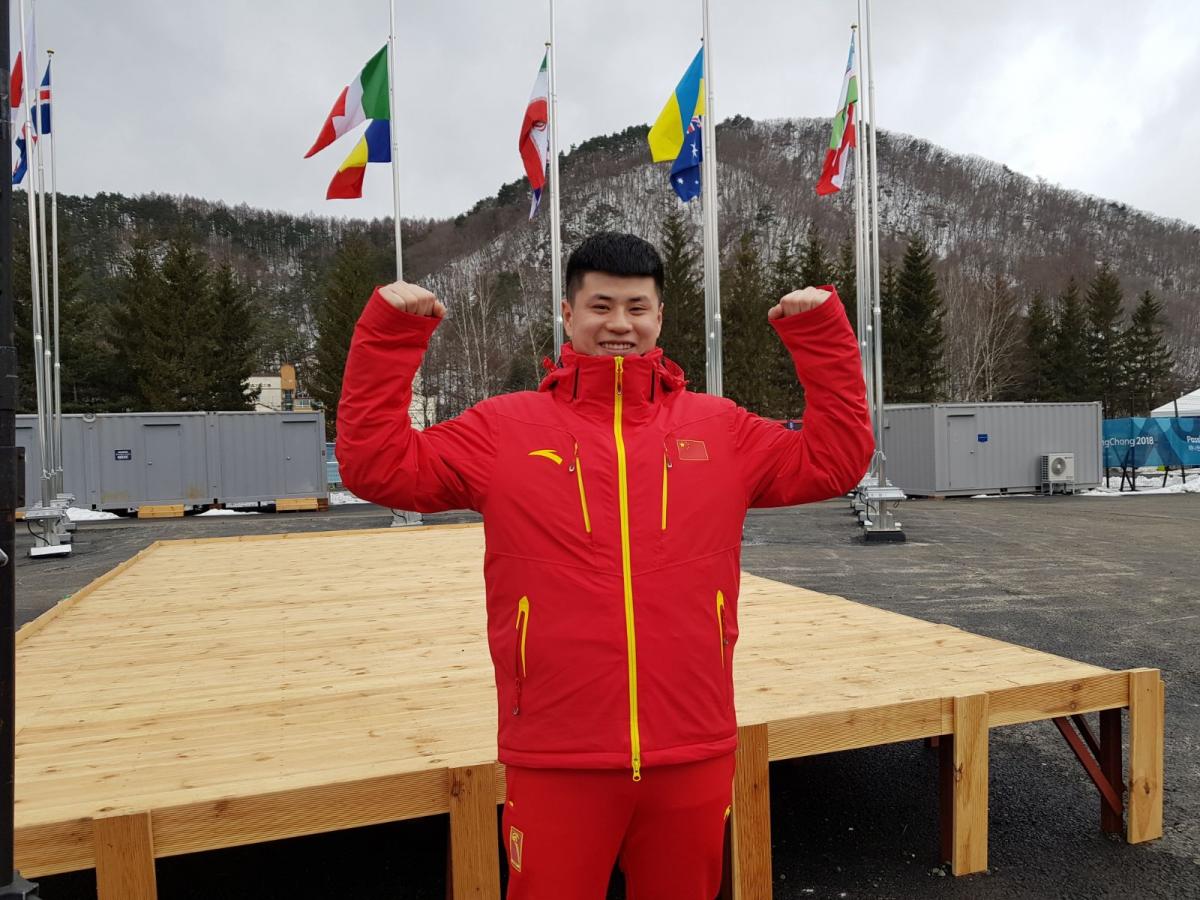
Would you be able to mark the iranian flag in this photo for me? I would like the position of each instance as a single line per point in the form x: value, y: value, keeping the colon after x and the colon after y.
x: 366, y: 97
x: 842, y: 139
x: 535, y: 139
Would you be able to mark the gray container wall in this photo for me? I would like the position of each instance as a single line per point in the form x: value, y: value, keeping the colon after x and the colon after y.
x: 937, y: 448
x: 123, y: 461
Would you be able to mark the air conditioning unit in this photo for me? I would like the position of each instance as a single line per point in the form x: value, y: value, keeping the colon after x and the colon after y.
x: 1058, y: 468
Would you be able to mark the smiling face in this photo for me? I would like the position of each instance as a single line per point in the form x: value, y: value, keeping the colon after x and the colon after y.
x: 613, y: 315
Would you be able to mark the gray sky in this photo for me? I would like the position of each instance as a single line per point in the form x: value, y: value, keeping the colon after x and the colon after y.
x: 221, y: 99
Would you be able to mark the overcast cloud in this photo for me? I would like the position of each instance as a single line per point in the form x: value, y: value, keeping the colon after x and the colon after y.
x: 221, y: 99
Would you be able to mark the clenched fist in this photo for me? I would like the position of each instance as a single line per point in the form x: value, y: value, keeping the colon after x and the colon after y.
x: 798, y: 302
x: 412, y: 299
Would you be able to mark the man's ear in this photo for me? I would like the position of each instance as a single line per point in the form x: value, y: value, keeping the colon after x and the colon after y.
x: 567, y: 312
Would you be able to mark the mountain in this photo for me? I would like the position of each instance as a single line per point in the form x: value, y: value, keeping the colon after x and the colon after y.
x: 982, y: 221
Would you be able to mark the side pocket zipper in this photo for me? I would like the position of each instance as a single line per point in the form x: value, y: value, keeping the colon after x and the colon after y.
x: 721, y: 625
x: 519, y: 664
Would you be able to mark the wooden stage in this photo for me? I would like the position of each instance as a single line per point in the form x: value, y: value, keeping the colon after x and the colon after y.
x: 226, y: 691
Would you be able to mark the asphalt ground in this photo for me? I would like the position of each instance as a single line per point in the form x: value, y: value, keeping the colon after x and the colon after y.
x: 1115, y: 582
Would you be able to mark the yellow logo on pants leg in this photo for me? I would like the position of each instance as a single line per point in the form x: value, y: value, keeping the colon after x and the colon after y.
x: 515, y: 842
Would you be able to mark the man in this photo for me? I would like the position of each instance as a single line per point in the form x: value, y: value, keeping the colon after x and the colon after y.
x: 613, y: 501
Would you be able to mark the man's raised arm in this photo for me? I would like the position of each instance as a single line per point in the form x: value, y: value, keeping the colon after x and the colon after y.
x: 830, y: 453
x: 381, y: 457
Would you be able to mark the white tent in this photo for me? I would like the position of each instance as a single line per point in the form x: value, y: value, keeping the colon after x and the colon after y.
x: 1189, y: 405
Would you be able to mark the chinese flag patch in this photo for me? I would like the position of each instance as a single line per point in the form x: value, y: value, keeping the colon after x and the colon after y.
x: 692, y: 450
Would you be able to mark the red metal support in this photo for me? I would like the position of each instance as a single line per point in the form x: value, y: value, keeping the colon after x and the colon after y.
x: 1111, y: 763
x: 1100, y: 774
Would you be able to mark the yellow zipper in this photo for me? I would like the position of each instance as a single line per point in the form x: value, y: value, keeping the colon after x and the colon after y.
x: 578, y: 467
x: 721, y: 625
x: 635, y: 741
x: 666, y: 468
x: 523, y: 626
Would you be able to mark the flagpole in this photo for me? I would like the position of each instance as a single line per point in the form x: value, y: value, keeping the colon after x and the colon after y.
x: 709, y: 199
x: 58, y: 442
x: 34, y: 284
x: 862, y: 281
x: 877, y: 319
x: 50, y: 451
x: 393, y: 129
x: 556, y: 285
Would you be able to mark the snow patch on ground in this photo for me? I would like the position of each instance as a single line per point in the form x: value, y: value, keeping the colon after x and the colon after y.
x: 341, y: 498
x: 1149, y: 485
x: 229, y: 512
x: 75, y: 514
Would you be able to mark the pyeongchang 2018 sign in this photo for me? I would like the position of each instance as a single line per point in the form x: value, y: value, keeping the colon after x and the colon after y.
x: 1152, y: 442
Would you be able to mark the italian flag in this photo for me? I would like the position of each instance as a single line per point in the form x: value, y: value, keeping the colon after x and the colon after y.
x: 535, y: 139
x: 366, y: 97
x: 842, y: 139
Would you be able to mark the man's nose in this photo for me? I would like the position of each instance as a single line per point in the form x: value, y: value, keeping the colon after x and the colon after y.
x: 619, y: 321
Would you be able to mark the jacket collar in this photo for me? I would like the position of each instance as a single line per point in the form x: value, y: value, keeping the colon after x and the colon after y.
x: 588, y: 381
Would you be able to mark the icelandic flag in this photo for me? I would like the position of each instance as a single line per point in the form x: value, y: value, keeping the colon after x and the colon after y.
x: 43, y: 103
x: 22, y: 166
x: 685, y: 171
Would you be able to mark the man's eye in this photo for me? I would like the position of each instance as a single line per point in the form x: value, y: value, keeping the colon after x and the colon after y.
x: 600, y: 309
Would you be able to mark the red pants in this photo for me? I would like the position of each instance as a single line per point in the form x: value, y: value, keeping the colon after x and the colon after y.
x: 564, y: 828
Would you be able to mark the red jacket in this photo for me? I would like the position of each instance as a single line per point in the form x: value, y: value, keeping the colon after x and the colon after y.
x: 613, y: 501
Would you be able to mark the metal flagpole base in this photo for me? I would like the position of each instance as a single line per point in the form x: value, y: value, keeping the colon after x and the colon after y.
x: 52, y: 523
x: 19, y: 889
x: 402, y: 518
x: 874, y: 504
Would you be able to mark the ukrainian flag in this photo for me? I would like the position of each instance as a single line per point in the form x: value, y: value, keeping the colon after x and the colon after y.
x: 667, y: 134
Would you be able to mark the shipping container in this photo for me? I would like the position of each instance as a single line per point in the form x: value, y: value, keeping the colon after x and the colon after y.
x: 949, y: 449
x: 123, y: 461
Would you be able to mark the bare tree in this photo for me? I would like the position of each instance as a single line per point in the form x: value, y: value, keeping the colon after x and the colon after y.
x: 983, y: 334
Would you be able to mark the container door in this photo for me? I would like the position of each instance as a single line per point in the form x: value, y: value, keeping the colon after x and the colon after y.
x: 960, y: 452
x: 164, y: 462
x: 301, y: 459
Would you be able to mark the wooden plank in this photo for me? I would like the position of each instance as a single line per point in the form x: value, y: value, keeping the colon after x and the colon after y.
x: 853, y: 728
x: 970, y: 759
x: 1144, y: 816
x: 124, y: 858
x: 161, y: 511
x: 474, y: 864
x: 296, y: 504
x: 1064, y: 697
x: 750, y: 821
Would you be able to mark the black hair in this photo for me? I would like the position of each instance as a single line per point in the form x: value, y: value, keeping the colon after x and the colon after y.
x: 614, y: 253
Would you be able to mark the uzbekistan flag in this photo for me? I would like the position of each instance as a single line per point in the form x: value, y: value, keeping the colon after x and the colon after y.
x: 842, y: 139
x: 534, y: 141
x: 374, y: 146
x: 366, y: 97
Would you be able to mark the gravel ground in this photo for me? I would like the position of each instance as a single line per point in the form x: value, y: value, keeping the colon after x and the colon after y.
x: 1108, y: 581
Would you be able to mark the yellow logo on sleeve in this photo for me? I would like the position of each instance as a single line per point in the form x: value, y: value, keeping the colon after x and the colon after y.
x: 516, y: 841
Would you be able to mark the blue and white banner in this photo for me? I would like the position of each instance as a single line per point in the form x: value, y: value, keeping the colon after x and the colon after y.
x: 1152, y: 442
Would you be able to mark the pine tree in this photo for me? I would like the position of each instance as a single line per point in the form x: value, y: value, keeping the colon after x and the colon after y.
x: 1036, y: 384
x: 920, y: 374
x: 784, y: 395
x: 889, y: 316
x: 1069, y: 369
x: 1106, y: 362
x: 127, y: 332
x: 682, y: 337
x: 815, y: 267
x: 746, y: 332
x: 1149, y: 364
x: 846, y: 280
x: 236, y: 333
x: 357, y: 268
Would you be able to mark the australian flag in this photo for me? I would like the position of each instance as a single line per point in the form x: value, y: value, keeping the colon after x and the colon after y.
x: 685, y: 171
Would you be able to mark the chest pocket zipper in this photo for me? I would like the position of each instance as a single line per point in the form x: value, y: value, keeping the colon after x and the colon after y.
x: 519, y: 667
x: 665, y: 478
x: 577, y: 468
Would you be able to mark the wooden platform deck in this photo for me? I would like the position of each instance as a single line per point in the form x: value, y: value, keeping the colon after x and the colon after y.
x: 226, y: 691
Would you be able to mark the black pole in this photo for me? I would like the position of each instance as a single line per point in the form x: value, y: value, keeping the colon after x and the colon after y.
x: 12, y: 476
